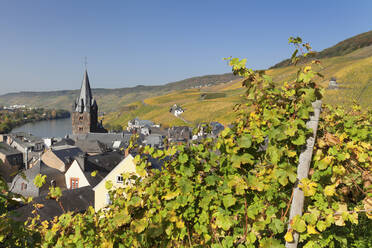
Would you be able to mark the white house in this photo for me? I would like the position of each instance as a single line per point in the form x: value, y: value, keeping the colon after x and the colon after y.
x: 176, y: 110
x: 90, y: 170
x: 75, y: 177
x: 101, y: 194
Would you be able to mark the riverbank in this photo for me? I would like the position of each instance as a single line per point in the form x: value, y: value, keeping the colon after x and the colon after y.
x: 10, y: 119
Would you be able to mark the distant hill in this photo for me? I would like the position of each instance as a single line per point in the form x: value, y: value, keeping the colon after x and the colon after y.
x: 108, y: 99
x: 342, y: 48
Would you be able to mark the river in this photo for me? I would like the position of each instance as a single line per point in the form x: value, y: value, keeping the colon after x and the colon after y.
x: 47, y: 129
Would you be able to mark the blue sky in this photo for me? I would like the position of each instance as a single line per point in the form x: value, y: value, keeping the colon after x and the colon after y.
x: 43, y: 43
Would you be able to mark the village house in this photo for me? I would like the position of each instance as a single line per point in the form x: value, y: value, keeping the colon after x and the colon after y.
x: 31, y: 146
x: 101, y: 194
x: 90, y: 170
x: 60, y: 157
x: 179, y: 134
x: 23, y: 183
x: 11, y: 161
x: 137, y: 124
x: 333, y: 83
x: 211, y: 130
x: 176, y: 110
x: 24, y: 141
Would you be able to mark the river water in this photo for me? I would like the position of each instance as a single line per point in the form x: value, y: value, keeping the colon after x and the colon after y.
x: 47, y: 129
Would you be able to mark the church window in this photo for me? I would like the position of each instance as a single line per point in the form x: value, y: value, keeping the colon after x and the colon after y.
x: 81, y: 129
x: 81, y: 118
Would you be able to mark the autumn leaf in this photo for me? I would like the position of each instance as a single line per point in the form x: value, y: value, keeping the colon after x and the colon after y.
x: 289, y: 236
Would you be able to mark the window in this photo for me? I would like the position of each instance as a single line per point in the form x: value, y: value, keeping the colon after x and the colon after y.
x: 81, y: 118
x: 119, y: 179
x: 74, y: 183
x: 81, y: 129
x: 23, y: 186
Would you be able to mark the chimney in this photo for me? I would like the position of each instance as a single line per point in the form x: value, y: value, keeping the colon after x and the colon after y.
x: 82, y: 160
x: 26, y: 162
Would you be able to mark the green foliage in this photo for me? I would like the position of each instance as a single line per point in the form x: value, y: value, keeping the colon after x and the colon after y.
x: 39, y: 180
x: 235, y: 191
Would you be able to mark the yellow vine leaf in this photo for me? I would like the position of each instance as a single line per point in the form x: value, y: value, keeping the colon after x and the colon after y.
x: 330, y: 190
x: 311, y: 230
x: 291, y: 154
x: 308, y: 187
x: 288, y: 236
x: 307, y: 68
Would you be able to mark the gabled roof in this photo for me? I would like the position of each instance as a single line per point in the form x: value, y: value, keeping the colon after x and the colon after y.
x: 66, y: 153
x: 65, y: 141
x: 107, y: 161
x: 41, y: 168
x: 7, y: 149
x: 88, y: 168
x: 100, y: 164
x: 106, y: 138
x: 77, y: 200
x: 91, y: 146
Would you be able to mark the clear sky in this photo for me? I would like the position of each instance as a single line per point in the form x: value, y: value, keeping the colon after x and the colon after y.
x: 43, y: 43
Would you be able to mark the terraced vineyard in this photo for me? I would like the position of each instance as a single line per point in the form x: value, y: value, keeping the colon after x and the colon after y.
x: 352, y: 71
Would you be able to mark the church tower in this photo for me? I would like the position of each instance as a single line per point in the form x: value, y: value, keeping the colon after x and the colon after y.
x: 85, y: 111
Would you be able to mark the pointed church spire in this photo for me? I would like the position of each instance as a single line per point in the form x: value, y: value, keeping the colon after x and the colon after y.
x: 85, y: 99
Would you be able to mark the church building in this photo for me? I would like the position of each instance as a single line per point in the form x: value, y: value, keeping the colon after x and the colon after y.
x: 85, y: 111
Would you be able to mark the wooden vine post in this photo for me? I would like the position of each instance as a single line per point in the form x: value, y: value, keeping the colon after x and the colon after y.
x: 303, y: 172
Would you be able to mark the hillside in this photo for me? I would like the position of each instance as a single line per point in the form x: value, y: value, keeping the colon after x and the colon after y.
x: 342, y: 48
x: 108, y: 99
x: 353, y: 72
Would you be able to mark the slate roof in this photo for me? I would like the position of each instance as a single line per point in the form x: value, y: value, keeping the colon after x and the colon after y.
x: 179, y: 133
x: 106, y: 138
x: 65, y: 141
x: 102, y: 164
x: 41, y: 168
x: 91, y: 146
x: 85, y: 100
x: 7, y: 149
x: 28, y: 138
x: 141, y: 123
x: 66, y: 153
x: 107, y: 161
x: 153, y: 140
x: 77, y: 200
x: 216, y: 128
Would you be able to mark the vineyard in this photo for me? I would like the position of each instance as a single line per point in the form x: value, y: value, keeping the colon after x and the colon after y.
x: 237, y: 190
